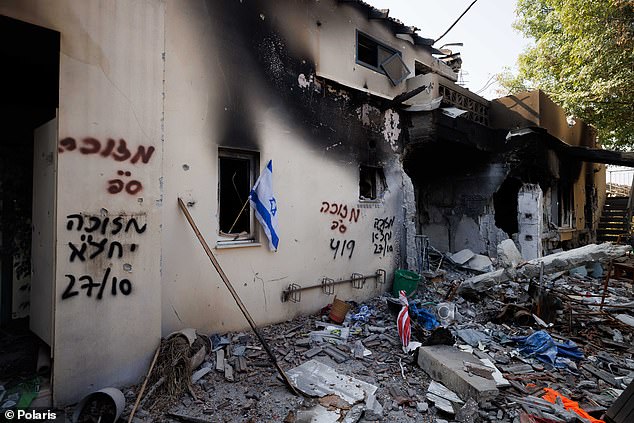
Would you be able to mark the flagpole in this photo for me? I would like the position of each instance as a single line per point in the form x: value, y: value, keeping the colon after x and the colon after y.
x: 239, y: 214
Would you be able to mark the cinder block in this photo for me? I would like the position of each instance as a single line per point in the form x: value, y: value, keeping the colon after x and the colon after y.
x: 445, y: 364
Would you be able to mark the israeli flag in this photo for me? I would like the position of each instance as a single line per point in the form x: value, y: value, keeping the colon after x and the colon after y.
x: 264, y: 204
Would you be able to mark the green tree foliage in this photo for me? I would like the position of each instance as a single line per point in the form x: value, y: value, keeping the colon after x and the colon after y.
x: 583, y: 58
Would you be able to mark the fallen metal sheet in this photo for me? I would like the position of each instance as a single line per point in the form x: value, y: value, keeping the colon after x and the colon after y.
x: 317, y: 379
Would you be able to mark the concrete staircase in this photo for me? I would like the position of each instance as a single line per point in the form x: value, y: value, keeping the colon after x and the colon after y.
x: 613, y: 220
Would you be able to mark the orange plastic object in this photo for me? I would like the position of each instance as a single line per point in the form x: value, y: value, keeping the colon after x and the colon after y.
x: 551, y: 396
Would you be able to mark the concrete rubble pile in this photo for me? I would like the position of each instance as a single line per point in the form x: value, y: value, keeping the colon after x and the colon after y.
x: 516, y: 344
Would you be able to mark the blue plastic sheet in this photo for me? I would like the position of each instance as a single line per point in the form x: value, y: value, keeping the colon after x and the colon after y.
x: 544, y: 348
x: 423, y: 317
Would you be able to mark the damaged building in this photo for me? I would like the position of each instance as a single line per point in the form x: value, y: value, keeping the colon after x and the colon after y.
x: 116, y: 109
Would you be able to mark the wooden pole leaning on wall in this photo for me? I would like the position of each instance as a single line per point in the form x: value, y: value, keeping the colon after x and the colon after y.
x: 237, y: 299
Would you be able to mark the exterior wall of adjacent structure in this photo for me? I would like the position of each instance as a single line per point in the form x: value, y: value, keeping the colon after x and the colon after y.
x: 149, y: 93
x: 107, y: 296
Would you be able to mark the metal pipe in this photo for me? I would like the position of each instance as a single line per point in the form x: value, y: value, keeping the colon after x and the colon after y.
x: 287, y: 292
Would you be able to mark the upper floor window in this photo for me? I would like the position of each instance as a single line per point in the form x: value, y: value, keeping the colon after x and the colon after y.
x: 381, y: 58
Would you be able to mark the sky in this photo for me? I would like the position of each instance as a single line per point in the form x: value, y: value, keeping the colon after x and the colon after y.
x: 490, y: 42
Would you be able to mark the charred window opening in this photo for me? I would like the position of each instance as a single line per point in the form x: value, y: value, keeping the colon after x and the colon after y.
x: 372, y: 183
x: 381, y: 58
x: 236, y: 176
x: 421, y: 69
x: 505, y: 204
x: 566, y: 199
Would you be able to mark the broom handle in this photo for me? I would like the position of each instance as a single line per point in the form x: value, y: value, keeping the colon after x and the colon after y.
x: 147, y: 377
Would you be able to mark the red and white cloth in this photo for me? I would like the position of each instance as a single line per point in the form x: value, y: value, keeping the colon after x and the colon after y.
x: 403, y: 323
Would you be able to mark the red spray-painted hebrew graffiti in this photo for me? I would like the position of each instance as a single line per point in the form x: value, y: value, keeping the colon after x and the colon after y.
x: 341, y: 213
x: 132, y: 187
x: 119, y: 152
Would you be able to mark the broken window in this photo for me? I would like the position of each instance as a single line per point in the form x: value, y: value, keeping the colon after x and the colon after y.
x: 381, y: 58
x: 372, y: 183
x: 236, y: 177
x: 566, y: 201
x: 421, y: 69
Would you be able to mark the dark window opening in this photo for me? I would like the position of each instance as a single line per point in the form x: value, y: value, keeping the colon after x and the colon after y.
x: 505, y: 205
x: 235, y: 180
x: 565, y: 212
x: 381, y: 58
x: 372, y: 183
x: 421, y: 68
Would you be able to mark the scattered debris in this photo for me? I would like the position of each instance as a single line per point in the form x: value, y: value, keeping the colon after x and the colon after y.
x: 488, y: 354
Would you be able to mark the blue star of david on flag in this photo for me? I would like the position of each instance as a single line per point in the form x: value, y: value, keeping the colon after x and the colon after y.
x: 263, y: 202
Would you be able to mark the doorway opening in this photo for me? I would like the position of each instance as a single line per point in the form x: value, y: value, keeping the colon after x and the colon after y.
x: 30, y: 98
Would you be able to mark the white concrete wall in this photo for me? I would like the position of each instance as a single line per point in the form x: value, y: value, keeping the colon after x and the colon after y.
x: 143, y: 90
x: 318, y: 26
x: 305, y: 176
x: 110, y: 89
x: 530, y: 218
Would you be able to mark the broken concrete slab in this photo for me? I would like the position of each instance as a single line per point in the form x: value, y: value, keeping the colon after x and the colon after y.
x: 220, y: 360
x: 508, y: 254
x: 469, y: 412
x: 479, y: 369
x: 462, y: 256
x: 479, y: 263
x: 373, y: 409
x: 579, y: 271
x: 552, y: 263
x: 473, y: 337
x: 317, y: 379
x: 354, y: 414
x: 442, y: 391
x: 498, y: 377
x: 446, y: 365
x: 441, y: 403
x: 228, y: 371
x: 317, y: 414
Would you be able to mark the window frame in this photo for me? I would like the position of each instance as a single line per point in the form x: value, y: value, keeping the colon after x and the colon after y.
x: 378, y: 68
x: 252, y: 238
x: 380, y: 184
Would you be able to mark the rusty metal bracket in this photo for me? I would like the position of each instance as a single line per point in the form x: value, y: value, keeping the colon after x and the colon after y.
x: 328, y: 286
x: 358, y: 280
x: 380, y: 276
x: 293, y: 293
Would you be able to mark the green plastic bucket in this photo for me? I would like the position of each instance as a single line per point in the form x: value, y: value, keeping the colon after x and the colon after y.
x: 405, y: 280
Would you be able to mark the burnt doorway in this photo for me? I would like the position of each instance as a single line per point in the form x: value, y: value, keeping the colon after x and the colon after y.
x: 28, y: 159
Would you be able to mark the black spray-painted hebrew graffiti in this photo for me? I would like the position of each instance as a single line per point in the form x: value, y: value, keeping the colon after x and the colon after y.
x: 106, y: 239
x: 124, y: 286
x: 382, y: 235
x: 340, y: 248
